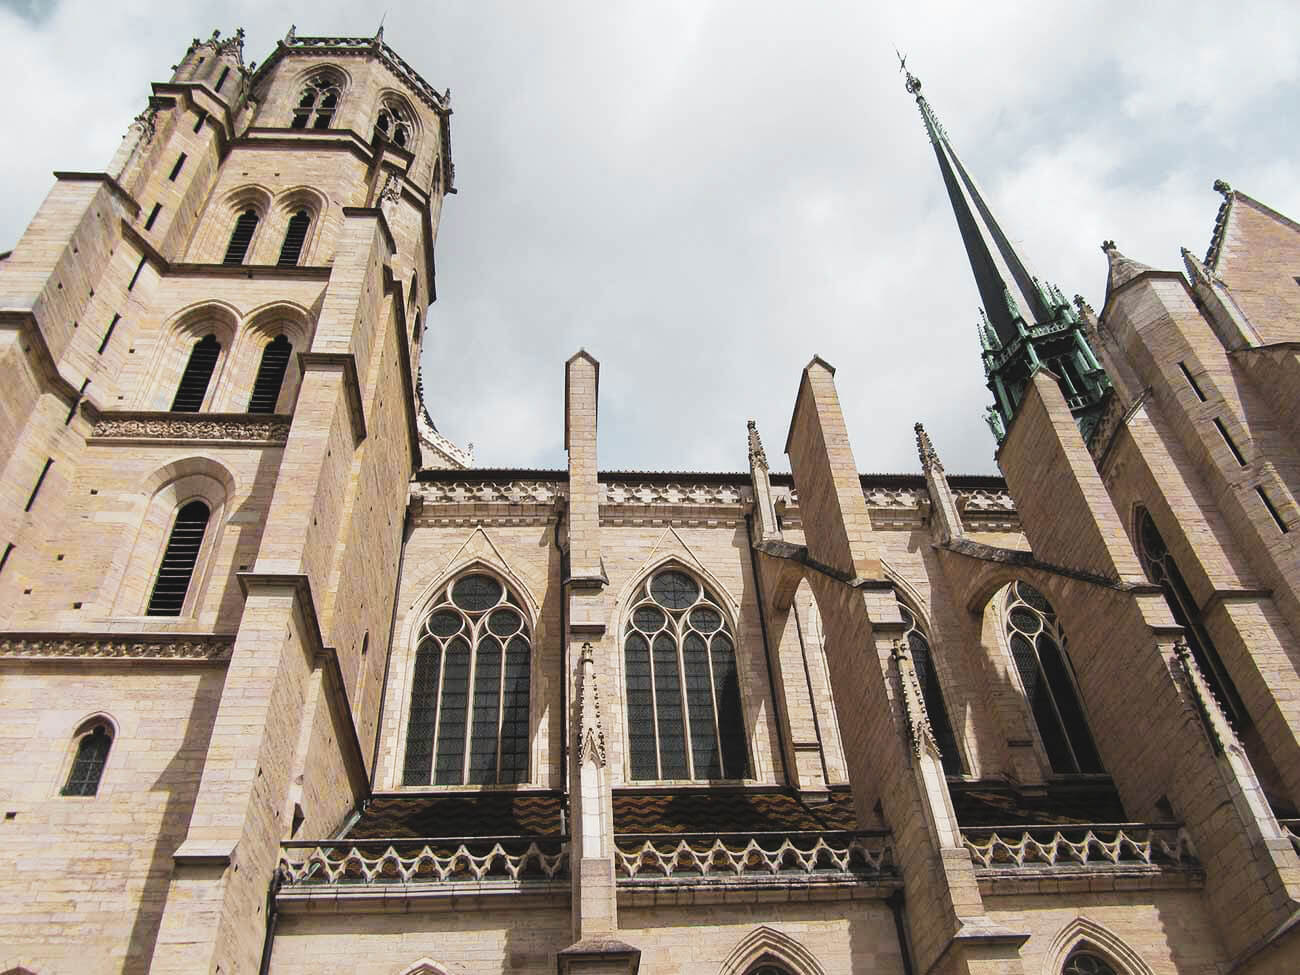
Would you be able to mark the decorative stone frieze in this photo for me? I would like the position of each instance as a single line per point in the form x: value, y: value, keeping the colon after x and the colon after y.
x: 490, y: 492
x: 673, y: 492
x: 659, y: 858
x: 1080, y: 846
x: 251, y: 428
x: 148, y: 646
x: 468, y: 860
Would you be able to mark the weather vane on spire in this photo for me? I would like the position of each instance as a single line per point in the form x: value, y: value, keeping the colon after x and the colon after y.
x: 913, y: 84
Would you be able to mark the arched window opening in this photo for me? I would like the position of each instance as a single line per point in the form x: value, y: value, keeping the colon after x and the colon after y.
x: 393, y: 125
x: 270, y: 375
x: 294, y: 238
x: 178, y: 561
x: 88, y: 765
x: 198, y: 373
x: 928, y: 677
x: 1038, y: 648
x: 766, y: 967
x: 469, y: 693
x: 1084, y: 962
x: 1161, y: 570
x: 316, y: 107
x: 241, y: 237
x: 684, y: 718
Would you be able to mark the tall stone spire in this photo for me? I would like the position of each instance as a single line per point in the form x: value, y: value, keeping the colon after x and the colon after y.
x: 1025, y: 323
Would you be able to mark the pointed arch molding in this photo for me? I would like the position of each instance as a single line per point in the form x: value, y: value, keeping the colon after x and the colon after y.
x: 764, y: 942
x: 425, y: 966
x: 479, y: 550
x: 1084, y: 932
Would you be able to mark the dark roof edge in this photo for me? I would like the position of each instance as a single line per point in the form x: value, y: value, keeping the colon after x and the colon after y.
x: 500, y: 475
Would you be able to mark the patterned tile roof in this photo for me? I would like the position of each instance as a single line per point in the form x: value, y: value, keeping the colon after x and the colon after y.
x: 696, y: 811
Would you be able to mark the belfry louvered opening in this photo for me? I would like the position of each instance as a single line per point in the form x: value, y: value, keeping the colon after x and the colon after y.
x: 193, y: 387
x: 1038, y: 649
x: 241, y: 237
x: 270, y: 376
x: 179, y: 560
x: 684, y: 716
x: 469, y: 710
x: 295, y: 236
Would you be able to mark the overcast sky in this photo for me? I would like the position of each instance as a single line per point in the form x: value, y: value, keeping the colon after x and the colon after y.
x: 705, y: 194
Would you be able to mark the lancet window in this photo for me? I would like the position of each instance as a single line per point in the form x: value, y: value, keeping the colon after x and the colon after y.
x: 316, y: 107
x: 1161, y: 570
x: 193, y: 386
x: 179, y: 560
x: 241, y: 237
x: 684, y: 717
x: 270, y: 375
x: 918, y: 643
x: 88, y: 764
x: 469, y: 696
x: 1038, y: 649
x: 295, y: 236
x: 393, y: 124
x: 1083, y: 962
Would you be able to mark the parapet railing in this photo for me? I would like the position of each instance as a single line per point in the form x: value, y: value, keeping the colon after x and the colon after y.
x: 815, y: 853
x: 1085, y: 845
x: 428, y: 860
x: 1291, y: 827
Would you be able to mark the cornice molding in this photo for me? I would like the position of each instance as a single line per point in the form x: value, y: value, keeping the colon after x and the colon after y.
x: 181, y: 647
x: 244, y: 429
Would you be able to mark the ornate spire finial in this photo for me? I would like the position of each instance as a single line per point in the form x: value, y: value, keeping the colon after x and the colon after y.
x: 930, y: 462
x: 292, y: 36
x: 1107, y: 246
x: 757, y: 456
x: 1221, y: 186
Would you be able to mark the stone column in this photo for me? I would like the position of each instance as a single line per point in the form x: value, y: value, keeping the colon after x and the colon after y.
x: 887, y: 744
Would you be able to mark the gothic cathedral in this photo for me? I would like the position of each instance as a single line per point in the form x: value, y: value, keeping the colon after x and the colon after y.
x: 288, y: 686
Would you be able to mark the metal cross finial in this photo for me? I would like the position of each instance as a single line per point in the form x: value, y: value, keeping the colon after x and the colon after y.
x: 913, y: 83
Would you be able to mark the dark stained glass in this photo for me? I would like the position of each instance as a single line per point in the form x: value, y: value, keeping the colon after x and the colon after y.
x: 648, y: 620
x: 1067, y: 704
x: 1086, y: 963
x: 640, y: 708
x: 476, y: 593
x: 451, y: 724
x: 731, y: 723
x: 88, y: 766
x: 504, y: 623
x: 424, y: 714
x: 668, y: 706
x: 1040, y: 703
x: 445, y: 622
x: 487, y: 712
x: 674, y: 590
x: 706, y: 620
x: 1026, y: 622
x: 928, y: 678
x: 699, y: 708
x: 514, y: 713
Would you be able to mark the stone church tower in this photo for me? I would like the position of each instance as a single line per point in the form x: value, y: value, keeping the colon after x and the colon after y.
x: 290, y: 687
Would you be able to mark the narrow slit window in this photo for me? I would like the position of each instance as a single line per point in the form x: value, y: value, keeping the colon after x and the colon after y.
x: 108, y: 334
x: 1223, y: 432
x: 153, y: 216
x: 31, y: 500
x: 88, y: 765
x: 193, y: 387
x: 926, y: 675
x: 270, y: 376
x: 241, y: 237
x: 294, y: 238
x: 9, y: 547
x: 136, y: 276
x: 199, y: 120
x: 179, y: 560
x: 1276, y: 515
x: 225, y: 73
x: 176, y: 169
x: 1191, y: 382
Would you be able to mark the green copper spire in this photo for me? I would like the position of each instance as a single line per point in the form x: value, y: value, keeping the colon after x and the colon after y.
x: 1025, y: 324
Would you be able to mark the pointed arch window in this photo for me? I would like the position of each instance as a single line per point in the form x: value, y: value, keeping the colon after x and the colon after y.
x: 88, y: 764
x: 918, y: 643
x: 393, y: 124
x: 1084, y: 962
x: 1163, y: 571
x: 179, y: 560
x: 270, y: 375
x: 1038, y: 649
x: 241, y: 237
x: 194, y: 382
x: 469, y: 695
x: 317, y: 104
x: 684, y: 717
x: 295, y: 236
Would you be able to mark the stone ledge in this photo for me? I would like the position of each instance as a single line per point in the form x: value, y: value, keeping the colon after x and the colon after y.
x: 187, y: 647
x: 153, y: 427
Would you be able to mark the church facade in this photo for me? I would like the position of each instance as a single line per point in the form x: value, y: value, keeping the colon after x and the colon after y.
x: 290, y: 687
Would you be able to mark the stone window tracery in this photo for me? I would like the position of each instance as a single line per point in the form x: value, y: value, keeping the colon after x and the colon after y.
x: 682, y: 688
x: 1084, y: 962
x: 393, y: 124
x: 1038, y: 648
x: 318, y: 103
x: 918, y: 644
x: 1163, y: 571
x: 88, y: 764
x: 469, y: 697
